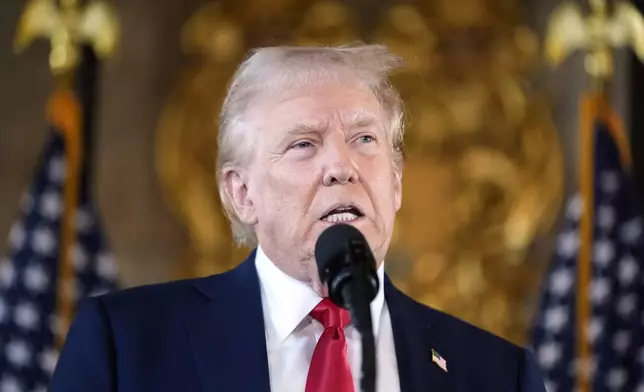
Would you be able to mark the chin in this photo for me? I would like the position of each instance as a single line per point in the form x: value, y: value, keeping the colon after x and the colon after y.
x: 313, y: 279
x: 321, y: 289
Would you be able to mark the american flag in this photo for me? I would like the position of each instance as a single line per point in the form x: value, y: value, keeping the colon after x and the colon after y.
x: 615, y: 291
x: 439, y: 361
x: 29, y: 275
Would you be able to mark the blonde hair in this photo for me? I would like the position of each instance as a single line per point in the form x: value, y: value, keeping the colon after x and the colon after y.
x: 278, y: 69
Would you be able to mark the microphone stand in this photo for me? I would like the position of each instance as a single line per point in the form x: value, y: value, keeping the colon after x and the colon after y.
x: 356, y: 296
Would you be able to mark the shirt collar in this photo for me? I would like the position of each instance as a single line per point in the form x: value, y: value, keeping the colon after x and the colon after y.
x: 287, y: 301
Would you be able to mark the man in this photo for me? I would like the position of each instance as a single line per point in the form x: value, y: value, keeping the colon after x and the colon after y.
x: 308, y: 137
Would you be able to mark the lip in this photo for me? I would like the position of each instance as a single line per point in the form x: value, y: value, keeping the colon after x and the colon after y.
x: 339, y: 205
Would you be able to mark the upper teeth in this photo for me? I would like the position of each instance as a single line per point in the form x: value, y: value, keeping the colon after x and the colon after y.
x: 340, y: 217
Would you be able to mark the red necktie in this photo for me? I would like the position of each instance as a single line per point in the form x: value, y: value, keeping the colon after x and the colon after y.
x: 329, y: 370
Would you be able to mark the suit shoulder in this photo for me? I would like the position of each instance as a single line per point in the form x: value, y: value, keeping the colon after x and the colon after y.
x: 482, y: 337
x: 463, y: 331
x: 154, y: 298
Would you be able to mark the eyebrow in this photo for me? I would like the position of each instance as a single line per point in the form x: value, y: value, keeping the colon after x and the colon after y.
x: 302, y: 128
x: 361, y: 120
x: 357, y: 120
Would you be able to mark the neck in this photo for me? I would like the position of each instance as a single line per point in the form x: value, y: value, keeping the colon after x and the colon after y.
x: 304, y: 269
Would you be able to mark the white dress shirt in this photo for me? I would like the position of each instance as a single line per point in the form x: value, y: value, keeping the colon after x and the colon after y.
x: 291, y: 333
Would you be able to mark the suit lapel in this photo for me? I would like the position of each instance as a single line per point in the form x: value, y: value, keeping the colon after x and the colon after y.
x: 226, y: 332
x: 414, y: 339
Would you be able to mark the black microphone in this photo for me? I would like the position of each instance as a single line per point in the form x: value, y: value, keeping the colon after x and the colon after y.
x: 348, y: 269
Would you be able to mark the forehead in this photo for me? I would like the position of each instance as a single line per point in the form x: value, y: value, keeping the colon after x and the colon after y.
x: 347, y: 105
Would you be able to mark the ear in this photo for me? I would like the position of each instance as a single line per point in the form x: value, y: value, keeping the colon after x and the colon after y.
x: 397, y: 189
x: 235, y: 182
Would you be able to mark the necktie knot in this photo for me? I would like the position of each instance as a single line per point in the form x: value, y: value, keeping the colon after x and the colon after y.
x: 330, y: 315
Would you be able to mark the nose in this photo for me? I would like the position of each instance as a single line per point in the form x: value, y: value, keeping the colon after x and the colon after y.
x: 339, y: 166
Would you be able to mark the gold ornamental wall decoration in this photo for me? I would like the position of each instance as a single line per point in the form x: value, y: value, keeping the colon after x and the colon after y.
x: 326, y: 23
x: 483, y: 176
x: 483, y: 170
x: 186, y: 138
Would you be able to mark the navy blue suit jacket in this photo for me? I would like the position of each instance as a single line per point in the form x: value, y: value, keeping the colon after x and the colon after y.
x: 207, y: 335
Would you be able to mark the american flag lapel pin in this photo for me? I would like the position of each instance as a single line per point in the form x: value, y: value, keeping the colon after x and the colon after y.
x: 439, y: 361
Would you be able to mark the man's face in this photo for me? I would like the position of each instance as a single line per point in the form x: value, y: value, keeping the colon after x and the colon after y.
x: 320, y: 156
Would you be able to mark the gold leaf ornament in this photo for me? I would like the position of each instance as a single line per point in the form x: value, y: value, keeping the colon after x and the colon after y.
x: 483, y: 167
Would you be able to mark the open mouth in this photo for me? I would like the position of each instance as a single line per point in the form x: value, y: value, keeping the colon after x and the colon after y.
x: 342, y: 214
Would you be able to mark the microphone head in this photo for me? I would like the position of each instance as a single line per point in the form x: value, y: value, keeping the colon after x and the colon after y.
x: 332, y: 246
x: 339, y: 250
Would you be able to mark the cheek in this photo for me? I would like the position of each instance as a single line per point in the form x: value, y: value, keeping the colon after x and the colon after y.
x: 284, y: 182
x: 285, y: 191
x: 386, y: 188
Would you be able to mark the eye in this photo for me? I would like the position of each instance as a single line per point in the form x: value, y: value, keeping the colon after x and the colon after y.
x: 302, y: 144
x: 366, y: 139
